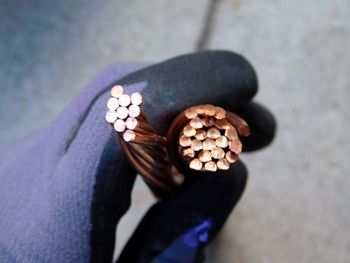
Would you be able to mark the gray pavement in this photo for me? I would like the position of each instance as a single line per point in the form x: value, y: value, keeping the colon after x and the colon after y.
x: 50, y: 49
x: 296, y: 206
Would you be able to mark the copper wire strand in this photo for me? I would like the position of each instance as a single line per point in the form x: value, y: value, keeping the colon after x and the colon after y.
x: 150, y: 174
x: 143, y: 147
x: 212, y: 123
x: 156, y: 153
x: 160, y: 171
x: 151, y: 139
x: 144, y: 127
x: 143, y: 117
x: 241, y: 125
x: 161, y: 150
x: 206, y: 138
x: 151, y: 158
x: 144, y: 133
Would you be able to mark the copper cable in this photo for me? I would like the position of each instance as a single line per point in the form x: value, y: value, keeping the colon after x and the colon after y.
x: 144, y: 148
x: 205, y: 137
x: 240, y: 124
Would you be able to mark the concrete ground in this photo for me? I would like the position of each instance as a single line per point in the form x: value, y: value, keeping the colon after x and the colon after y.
x: 296, y: 205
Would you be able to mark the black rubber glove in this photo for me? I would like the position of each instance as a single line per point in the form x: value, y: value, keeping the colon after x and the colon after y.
x: 64, y: 188
x: 217, y: 77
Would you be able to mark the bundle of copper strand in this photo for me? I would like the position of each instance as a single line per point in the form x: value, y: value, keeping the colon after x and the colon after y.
x: 205, y: 136
x: 209, y: 137
x: 145, y: 149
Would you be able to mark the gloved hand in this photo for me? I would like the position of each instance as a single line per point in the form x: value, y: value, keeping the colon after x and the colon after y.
x: 64, y: 188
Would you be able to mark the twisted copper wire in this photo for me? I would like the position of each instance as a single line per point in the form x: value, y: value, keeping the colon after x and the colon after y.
x: 149, y: 156
x: 205, y: 137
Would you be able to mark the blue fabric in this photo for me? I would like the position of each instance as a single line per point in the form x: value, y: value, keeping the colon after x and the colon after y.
x: 56, y: 184
x: 185, y: 248
x: 47, y: 180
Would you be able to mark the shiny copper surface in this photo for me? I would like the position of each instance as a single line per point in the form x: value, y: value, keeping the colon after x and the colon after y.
x: 205, y: 137
x: 119, y: 125
x: 143, y: 147
x: 113, y: 104
x: 124, y: 100
x: 117, y: 91
x: 111, y: 116
x: 214, y: 135
x: 136, y: 98
x: 134, y: 111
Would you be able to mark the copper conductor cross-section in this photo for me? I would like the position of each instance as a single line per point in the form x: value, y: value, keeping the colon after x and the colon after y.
x: 143, y: 147
x: 208, y: 137
x: 125, y: 114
